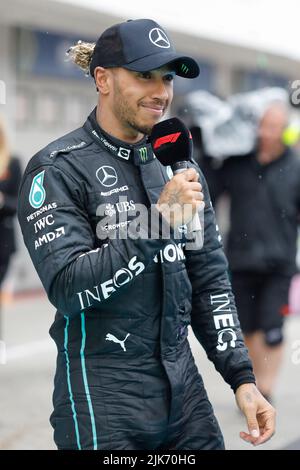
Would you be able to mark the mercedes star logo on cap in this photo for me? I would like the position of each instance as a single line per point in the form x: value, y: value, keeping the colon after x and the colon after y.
x: 107, y: 176
x: 159, y: 38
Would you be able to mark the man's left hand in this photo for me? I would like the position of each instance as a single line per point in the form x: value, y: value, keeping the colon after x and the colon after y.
x: 259, y: 413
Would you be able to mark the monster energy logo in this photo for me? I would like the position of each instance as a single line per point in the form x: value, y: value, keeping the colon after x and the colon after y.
x: 37, y: 192
x: 143, y: 154
x: 184, y: 68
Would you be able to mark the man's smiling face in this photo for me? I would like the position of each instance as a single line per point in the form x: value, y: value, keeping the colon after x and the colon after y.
x: 140, y: 99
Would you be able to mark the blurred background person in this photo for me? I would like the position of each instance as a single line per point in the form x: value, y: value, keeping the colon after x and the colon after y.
x: 264, y: 192
x: 10, y: 177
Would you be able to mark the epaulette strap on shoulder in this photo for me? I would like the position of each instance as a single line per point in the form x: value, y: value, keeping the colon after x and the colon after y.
x: 67, y: 149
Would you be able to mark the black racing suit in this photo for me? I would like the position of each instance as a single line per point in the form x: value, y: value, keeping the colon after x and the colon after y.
x: 125, y: 376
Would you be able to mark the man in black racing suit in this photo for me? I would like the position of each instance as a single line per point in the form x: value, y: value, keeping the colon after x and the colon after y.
x: 125, y: 376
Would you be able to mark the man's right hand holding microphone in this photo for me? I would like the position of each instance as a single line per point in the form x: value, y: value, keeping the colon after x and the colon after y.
x: 181, y: 198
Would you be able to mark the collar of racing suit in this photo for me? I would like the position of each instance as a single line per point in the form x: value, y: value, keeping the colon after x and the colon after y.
x: 137, y: 154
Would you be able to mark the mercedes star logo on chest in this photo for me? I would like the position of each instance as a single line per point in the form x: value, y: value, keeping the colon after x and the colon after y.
x: 107, y: 176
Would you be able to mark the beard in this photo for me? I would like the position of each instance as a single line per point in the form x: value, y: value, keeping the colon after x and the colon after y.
x: 127, y: 115
x: 146, y: 130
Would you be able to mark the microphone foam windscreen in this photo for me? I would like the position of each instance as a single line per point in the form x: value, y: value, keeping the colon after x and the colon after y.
x: 171, y: 141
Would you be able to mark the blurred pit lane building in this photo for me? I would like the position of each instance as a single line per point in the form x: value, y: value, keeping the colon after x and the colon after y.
x: 240, y: 46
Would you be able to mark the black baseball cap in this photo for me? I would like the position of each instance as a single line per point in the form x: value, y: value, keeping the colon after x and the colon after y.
x: 140, y: 45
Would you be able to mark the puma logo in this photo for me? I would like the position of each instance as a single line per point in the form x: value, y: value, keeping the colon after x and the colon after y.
x: 110, y: 337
